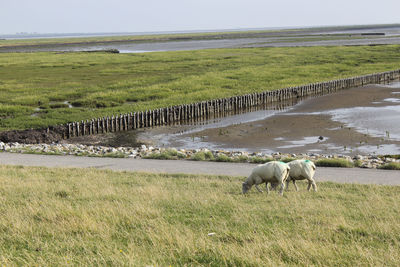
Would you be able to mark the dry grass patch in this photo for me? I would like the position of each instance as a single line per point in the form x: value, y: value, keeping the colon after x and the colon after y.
x: 93, y: 217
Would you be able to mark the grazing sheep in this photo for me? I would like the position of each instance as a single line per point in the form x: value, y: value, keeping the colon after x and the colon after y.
x: 301, y: 170
x: 272, y: 172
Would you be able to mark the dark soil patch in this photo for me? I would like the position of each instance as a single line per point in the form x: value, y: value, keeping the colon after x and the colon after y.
x: 33, y: 136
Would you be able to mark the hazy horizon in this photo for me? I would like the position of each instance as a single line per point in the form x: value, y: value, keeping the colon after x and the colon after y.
x: 123, y: 16
x: 197, y: 30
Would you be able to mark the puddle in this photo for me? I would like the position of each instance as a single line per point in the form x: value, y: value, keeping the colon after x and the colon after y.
x: 380, y: 149
x: 36, y: 114
x: 334, y: 147
x: 305, y: 141
x: 69, y: 104
x: 375, y: 121
x: 391, y: 85
x: 392, y: 100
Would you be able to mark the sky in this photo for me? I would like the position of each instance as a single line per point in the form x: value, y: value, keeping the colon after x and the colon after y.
x: 91, y: 16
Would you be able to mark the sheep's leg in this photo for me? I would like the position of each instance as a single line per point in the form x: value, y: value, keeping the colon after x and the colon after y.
x: 282, y: 188
x: 295, y: 185
x: 314, y: 186
x: 273, y: 186
x: 259, y: 190
x: 267, y: 187
x: 287, y: 184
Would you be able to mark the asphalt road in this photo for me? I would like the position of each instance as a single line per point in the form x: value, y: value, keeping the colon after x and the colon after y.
x: 339, y: 175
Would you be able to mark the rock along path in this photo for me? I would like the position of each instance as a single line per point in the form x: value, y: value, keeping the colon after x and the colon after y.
x: 339, y: 175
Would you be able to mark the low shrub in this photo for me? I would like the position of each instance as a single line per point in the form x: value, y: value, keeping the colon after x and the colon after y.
x: 209, y: 155
x: 390, y: 166
x: 202, y: 156
x: 286, y: 160
x: 114, y: 155
x: 334, y: 163
x: 357, y: 163
x: 391, y: 156
x: 199, y: 156
x: 223, y: 158
x: 241, y: 159
x: 166, y: 154
x: 259, y: 160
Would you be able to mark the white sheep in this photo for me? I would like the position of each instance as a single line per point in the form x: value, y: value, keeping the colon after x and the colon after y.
x: 275, y: 172
x: 301, y: 170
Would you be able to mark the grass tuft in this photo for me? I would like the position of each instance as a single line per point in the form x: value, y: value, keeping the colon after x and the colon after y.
x: 169, y: 154
x: 203, y: 156
x: 260, y: 160
x: 334, y: 163
x: 391, y: 166
x: 223, y: 158
x: 286, y: 160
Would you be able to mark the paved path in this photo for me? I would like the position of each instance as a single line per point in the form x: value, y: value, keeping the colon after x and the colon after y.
x: 340, y: 175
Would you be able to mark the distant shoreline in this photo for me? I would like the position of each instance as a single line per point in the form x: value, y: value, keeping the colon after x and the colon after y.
x: 14, y: 39
x: 22, y: 36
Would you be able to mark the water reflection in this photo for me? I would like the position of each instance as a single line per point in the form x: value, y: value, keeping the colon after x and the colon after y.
x: 374, y: 121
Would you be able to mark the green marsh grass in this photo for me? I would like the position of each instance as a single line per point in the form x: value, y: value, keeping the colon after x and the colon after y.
x: 334, y: 163
x: 203, y: 156
x: 90, y: 217
x: 169, y: 154
x: 391, y: 166
x: 102, y: 84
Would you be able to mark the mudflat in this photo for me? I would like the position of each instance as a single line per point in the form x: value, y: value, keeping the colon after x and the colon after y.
x: 355, y: 121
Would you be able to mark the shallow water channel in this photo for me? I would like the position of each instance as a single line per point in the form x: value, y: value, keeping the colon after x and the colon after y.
x: 364, y: 120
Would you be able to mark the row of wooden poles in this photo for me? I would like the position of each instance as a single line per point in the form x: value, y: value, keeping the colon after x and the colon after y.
x: 217, y: 107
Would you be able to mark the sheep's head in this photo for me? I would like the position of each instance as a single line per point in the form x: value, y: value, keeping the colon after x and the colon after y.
x: 245, y: 187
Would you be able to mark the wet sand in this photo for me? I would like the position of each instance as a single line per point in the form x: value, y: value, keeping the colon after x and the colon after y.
x: 361, y: 120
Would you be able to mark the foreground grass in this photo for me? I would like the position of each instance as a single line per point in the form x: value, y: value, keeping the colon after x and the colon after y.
x: 34, y: 87
x: 91, y: 217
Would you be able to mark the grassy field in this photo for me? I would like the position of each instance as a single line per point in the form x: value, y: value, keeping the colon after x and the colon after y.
x: 35, y: 86
x: 91, y: 217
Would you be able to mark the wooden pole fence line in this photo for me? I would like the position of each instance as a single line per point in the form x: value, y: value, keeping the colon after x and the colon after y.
x: 215, y: 108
